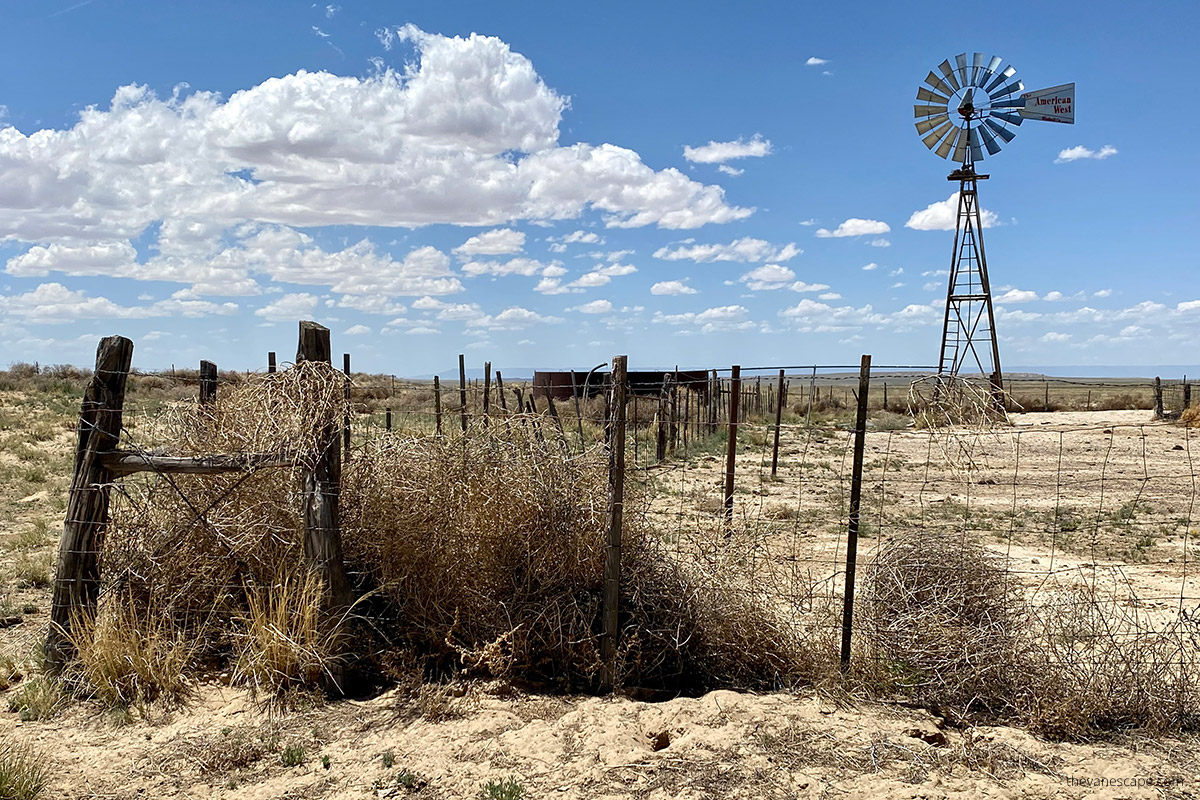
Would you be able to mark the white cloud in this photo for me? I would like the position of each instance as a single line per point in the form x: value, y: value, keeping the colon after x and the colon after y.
x: 594, y: 307
x: 289, y: 308
x: 1053, y: 297
x: 942, y: 215
x: 466, y: 134
x: 719, y: 152
x: 829, y: 296
x: 1079, y: 151
x: 813, y: 61
x: 1102, y: 293
x: 602, y: 275
x: 854, y: 227
x: 671, y: 288
x: 870, y: 267
x: 515, y: 266
x: 356, y: 330
x: 745, y: 249
x: 498, y: 242
x: 808, y: 223
x: 55, y: 303
x: 582, y: 237
x: 1188, y: 305
x: 770, y: 277
x: 879, y: 243
x: 1053, y: 337
x: 368, y: 304
x: 512, y: 319
x: 731, y: 171
x: 801, y: 286
x: 720, y: 318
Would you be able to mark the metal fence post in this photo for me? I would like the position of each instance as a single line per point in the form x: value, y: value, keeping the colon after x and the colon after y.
x: 860, y: 440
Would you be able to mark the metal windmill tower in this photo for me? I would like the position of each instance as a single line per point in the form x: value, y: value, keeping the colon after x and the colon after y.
x: 962, y: 111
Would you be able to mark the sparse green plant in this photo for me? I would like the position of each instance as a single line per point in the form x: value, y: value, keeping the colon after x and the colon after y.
x: 389, y: 759
x: 326, y: 763
x: 32, y: 571
x: 292, y: 756
x: 23, y: 775
x: 37, y: 699
x: 507, y: 789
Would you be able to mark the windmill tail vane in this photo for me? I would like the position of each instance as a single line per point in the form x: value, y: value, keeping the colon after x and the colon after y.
x: 964, y: 112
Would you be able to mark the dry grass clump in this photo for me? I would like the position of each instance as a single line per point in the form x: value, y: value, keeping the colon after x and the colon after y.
x: 283, y: 641
x: 937, y: 402
x: 941, y: 622
x: 1191, y: 417
x: 130, y: 656
x: 23, y: 773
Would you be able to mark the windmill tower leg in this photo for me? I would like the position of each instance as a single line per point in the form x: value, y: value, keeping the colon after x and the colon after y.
x: 969, y: 327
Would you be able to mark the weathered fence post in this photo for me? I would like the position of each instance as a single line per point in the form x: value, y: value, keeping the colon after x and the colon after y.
x: 616, y: 506
x: 462, y: 390
x: 1158, y: 400
x: 1187, y: 395
x: 387, y: 420
x: 487, y: 391
x: 860, y: 440
x: 778, y: 420
x: 322, y: 531
x: 437, y: 403
x: 271, y: 361
x: 346, y: 398
x: 208, y: 382
x: 735, y: 392
x: 660, y: 450
x: 77, y: 579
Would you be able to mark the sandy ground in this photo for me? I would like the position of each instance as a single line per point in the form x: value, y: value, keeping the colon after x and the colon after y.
x: 1061, y: 494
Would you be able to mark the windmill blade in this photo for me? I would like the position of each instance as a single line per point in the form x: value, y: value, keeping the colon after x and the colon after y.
x: 990, y: 70
x: 1001, y: 78
x: 973, y: 141
x: 1007, y: 89
x: 949, y: 142
x: 998, y: 129
x: 926, y: 125
x: 929, y: 111
x: 931, y: 97
x: 960, y: 63
x: 937, y: 83
x: 989, y: 141
x: 944, y: 68
x: 976, y: 68
x: 1011, y: 119
x: 932, y: 138
x: 960, y: 146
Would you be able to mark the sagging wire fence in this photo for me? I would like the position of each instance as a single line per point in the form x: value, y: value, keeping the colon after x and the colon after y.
x: 975, y: 562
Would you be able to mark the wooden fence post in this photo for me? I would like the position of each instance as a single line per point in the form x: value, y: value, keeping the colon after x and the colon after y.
x: 735, y: 391
x: 660, y: 450
x: 77, y: 579
x: 437, y: 402
x: 778, y: 420
x: 388, y: 420
x: 616, y: 508
x: 1187, y: 395
x: 271, y: 361
x: 208, y: 382
x: 322, y: 531
x: 462, y: 390
x: 1158, y: 399
x: 346, y: 398
x: 487, y: 391
x: 860, y: 440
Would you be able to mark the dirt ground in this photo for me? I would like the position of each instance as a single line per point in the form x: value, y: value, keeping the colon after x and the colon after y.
x: 1062, y: 495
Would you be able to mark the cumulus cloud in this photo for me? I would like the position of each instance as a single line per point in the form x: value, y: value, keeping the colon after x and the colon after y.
x: 671, y: 288
x: 356, y: 330
x: 289, y: 307
x: 498, y: 242
x: 511, y: 319
x: 813, y: 61
x: 745, y: 249
x: 55, y: 303
x: 720, y: 318
x: 467, y: 133
x: 1079, y: 151
x: 942, y: 216
x: 514, y: 266
x: 730, y: 171
x: 770, y: 277
x: 594, y: 307
x: 720, y: 152
x: 854, y: 227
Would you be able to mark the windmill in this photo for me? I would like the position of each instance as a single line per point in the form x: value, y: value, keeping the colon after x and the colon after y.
x: 962, y: 111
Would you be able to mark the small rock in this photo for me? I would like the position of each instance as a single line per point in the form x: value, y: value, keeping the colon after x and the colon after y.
x: 1177, y: 447
x: 1034, y: 561
x: 659, y: 741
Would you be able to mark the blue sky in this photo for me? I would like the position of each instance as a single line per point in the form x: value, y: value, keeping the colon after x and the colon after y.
x: 552, y: 184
